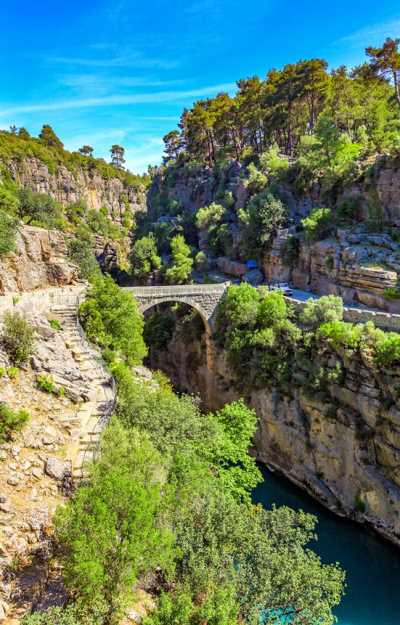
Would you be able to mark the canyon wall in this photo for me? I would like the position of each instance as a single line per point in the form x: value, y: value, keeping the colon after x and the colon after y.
x: 41, y: 260
x: 339, y: 440
x: 87, y: 185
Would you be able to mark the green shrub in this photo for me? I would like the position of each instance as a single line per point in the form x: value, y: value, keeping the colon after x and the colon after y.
x: 12, y: 372
x: 46, y: 384
x: 144, y: 257
x: 56, y: 616
x: 18, y: 338
x: 182, y: 262
x: 8, y: 231
x: 80, y: 251
x: 9, y: 202
x: 340, y: 334
x: 318, y: 225
x: 272, y: 162
x: 322, y: 310
x: 211, y: 215
x: 111, y: 319
x: 55, y: 324
x: 388, y: 349
x: 11, y: 421
x: 392, y: 293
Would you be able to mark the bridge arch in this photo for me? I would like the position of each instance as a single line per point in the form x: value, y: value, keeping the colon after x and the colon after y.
x: 204, y: 298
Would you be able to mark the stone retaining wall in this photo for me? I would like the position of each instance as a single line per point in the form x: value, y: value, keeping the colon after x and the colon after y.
x: 385, y: 321
x: 42, y: 300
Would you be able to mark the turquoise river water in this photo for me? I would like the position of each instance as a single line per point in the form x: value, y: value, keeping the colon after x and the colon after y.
x: 372, y: 565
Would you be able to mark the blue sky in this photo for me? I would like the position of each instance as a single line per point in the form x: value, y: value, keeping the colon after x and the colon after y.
x: 107, y: 71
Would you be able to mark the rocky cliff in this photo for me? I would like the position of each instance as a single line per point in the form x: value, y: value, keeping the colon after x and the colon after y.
x: 41, y: 260
x: 340, y: 441
x: 69, y: 186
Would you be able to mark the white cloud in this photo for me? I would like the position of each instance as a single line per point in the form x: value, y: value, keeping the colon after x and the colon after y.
x: 136, y: 60
x: 373, y: 34
x: 117, y: 100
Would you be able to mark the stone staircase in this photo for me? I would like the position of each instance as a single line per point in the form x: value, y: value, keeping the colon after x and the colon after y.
x: 92, y: 415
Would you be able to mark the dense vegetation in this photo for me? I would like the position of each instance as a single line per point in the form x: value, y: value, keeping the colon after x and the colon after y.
x: 303, y: 131
x: 319, y: 117
x: 269, y: 345
x: 166, y: 508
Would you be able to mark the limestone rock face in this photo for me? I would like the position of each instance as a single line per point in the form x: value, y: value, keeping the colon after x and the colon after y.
x: 39, y: 261
x: 69, y: 187
x: 356, y: 266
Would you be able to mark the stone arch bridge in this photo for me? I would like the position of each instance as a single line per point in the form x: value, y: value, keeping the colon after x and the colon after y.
x: 204, y: 298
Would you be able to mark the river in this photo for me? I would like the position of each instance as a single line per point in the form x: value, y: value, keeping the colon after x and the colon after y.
x: 372, y: 565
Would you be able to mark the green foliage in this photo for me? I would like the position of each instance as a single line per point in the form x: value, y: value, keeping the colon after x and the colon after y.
x: 9, y: 202
x: 46, y: 384
x: 201, y: 262
x: 39, y: 209
x: 210, y: 216
x: 55, y: 616
x: 158, y: 330
x: 392, y: 293
x: 263, y: 215
x: 388, y: 349
x: 340, y: 334
x: 182, y: 261
x: 55, y: 324
x: 49, y: 138
x: 260, y: 338
x: 109, y: 531
x: 318, y: 225
x: 18, y: 338
x: 100, y: 223
x: 8, y: 230
x: 111, y: 319
x: 291, y: 249
x: 144, y: 257
x: 322, y: 310
x: 11, y: 421
x: 256, y: 179
x: 80, y: 251
x: 12, y: 372
x: 273, y: 162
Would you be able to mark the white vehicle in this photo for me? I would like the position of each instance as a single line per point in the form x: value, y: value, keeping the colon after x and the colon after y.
x: 281, y: 286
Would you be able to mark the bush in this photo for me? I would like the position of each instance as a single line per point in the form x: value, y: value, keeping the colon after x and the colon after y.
x: 11, y: 421
x: 80, y: 251
x: 388, y: 349
x: 144, y: 257
x: 340, y: 334
x: 272, y: 162
x: 318, y: 225
x: 39, y: 209
x: 111, y: 319
x: 9, y: 202
x: 55, y: 616
x: 325, y: 309
x: 55, y: 324
x: 182, y: 261
x: 8, y: 230
x: 18, y: 338
x: 46, y: 384
x: 392, y: 293
x: 209, y: 216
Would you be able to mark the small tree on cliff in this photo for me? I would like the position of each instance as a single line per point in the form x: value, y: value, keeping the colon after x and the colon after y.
x: 182, y: 261
x: 86, y: 150
x: 117, y: 156
x: 49, y: 138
